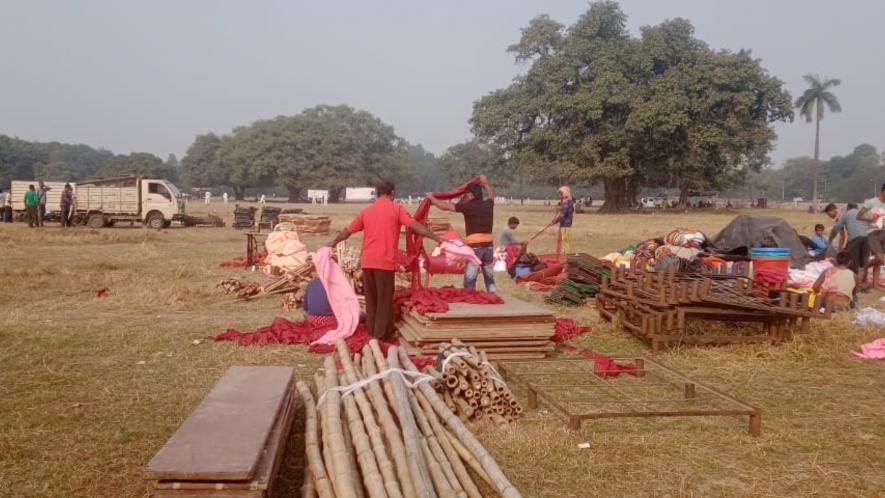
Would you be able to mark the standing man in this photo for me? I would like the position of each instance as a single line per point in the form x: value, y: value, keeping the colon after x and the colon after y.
x: 564, y: 217
x: 6, y: 208
x: 41, y: 201
x: 3, y: 205
x: 857, y: 247
x: 224, y: 197
x: 31, y: 203
x: 67, y: 205
x: 381, y: 223
x: 208, y: 197
x: 479, y: 216
x: 876, y: 237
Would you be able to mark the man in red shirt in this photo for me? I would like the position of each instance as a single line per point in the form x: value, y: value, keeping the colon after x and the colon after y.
x: 381, y: 224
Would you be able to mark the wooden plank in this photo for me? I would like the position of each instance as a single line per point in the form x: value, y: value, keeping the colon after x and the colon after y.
x: 224, y: 436
x: 268, y: 465
x: 512, y: 307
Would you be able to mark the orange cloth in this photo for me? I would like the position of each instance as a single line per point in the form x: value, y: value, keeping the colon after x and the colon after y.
x: 479, y: 238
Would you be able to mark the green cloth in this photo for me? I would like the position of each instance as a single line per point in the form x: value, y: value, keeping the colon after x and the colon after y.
x: 30, y: 198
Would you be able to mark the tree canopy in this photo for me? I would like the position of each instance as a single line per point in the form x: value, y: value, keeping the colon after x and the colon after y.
x: 663, y: 109
x: 850, y: 178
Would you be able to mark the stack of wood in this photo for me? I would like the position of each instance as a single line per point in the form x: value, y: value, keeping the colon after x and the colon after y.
x: 244, y: 217
x: 512, y: 330
x: 240, y: 287
x: 471, y: 387
x: 308, y: 223
x: 386, y: 439
x: 438, y: 225
x: 233, y: 443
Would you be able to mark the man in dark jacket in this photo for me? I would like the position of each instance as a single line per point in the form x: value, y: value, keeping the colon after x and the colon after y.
x: 67, y: 205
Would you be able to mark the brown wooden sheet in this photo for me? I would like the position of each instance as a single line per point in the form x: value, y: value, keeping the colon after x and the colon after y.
x: 512, y: 307
x: 268, y: 464
x: 224, y: 436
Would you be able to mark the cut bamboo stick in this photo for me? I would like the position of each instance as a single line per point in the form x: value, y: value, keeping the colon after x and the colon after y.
x: 343, y: 480
x: 363, y: 413
x: 499, y: 480
x: 318, y: 477
x: 391, y: 430
x: 411, y: 437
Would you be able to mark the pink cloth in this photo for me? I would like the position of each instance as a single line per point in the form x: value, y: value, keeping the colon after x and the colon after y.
x: 459, y: 253
x: 872, y: 350
x: 341, y: 296
x: 565, y: 191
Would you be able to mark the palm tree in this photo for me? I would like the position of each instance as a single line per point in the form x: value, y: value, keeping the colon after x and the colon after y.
x: 811, y: 105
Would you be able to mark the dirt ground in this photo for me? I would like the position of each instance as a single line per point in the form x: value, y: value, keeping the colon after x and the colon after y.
x: 90, y: 388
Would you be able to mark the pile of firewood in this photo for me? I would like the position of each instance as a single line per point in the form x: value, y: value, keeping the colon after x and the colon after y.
x: 383, y: 438
x: 472, y: 387
x: 240, y: 287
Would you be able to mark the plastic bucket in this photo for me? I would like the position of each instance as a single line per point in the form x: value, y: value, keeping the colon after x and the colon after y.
x: 781, y: 263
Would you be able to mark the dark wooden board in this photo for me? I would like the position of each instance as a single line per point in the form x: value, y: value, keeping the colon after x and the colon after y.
x: 224, y: 436
x: 268, y: 464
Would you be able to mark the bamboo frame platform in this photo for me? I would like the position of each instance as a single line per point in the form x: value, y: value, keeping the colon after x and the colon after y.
x: 571, y: 387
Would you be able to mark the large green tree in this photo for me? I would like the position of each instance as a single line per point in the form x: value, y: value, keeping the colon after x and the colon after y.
x: 811, y: 106
x: 25, y: 160
x: 660, y: 110
x: 463, y: 161
x: 200, y: 163
x: 140, y: 163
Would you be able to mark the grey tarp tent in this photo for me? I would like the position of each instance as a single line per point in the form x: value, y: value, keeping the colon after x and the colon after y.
x: 762, y: 231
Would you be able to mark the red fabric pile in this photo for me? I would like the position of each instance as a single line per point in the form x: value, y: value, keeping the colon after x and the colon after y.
x: 241, y: 262
x: 103, y: 292
x: 769, y: 276
x: 414, y: 242
x: 603, y: 364
x: 283, y: 331
x: 437, y: 299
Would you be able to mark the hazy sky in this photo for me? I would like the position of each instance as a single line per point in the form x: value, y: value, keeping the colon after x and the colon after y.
x: 150, y: 75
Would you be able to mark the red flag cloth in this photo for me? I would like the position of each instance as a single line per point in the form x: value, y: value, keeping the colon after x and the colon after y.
x: 437, y: 299
x: 414, y: 242
x: 241, y: 262
x: 603, y: 364
x: 283, y: 331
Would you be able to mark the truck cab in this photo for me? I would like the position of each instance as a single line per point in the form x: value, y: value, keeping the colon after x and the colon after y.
x: 161, y: 201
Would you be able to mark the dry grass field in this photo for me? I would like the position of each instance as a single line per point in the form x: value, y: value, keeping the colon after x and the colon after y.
x: 90, y: 388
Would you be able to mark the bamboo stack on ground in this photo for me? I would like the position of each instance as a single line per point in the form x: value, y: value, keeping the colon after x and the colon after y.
x: 471, y: 387
x: 378, y: 430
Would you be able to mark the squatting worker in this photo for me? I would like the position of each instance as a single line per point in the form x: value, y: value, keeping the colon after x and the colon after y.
x: 564, y: 217
x: 479, y: 217
x: 31, y: 203
x: 857, y: 247
x: 876, y: 237
x: 381, y: 224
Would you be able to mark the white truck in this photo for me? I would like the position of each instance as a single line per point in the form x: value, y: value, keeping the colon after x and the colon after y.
x: 359, y: 194
x: 53, y: 196
x: 104, y: 201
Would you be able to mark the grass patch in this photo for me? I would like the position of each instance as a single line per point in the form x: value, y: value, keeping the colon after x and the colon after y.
x: 80, y: 414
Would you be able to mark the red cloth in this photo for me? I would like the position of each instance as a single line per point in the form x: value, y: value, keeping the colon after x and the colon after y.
x: 437, y: 299
x: 283, y: 331
x: 241, y: 262
x: 511, y: 252
x: 548, y: 276
x: 414, y: 242
x: 381, y: 224
x: 603, y: 364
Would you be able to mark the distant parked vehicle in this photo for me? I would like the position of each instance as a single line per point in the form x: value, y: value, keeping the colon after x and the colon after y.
x: 101, y: 202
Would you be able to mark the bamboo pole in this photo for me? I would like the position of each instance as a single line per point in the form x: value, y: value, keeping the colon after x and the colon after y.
x: 499, y: 480
x: 308, y: 487
x: 440, y: 482
x: 320, y: 380
x: 391, y: 430
x: 442, y: 436
x: 468, y: 458
x: 343, y: 480
x: 411, y: 436
x: 388, y: 474
x: 434, y: 447
x: 365, y: 455
x: 316, y: 466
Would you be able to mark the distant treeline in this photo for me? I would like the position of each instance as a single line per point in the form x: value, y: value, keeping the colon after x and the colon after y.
x: 54, y: 161
x: 851, y: 178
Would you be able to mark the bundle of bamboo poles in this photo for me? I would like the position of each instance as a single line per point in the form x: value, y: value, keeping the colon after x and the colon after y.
x: 471, y: 387
x: 382, y: 438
